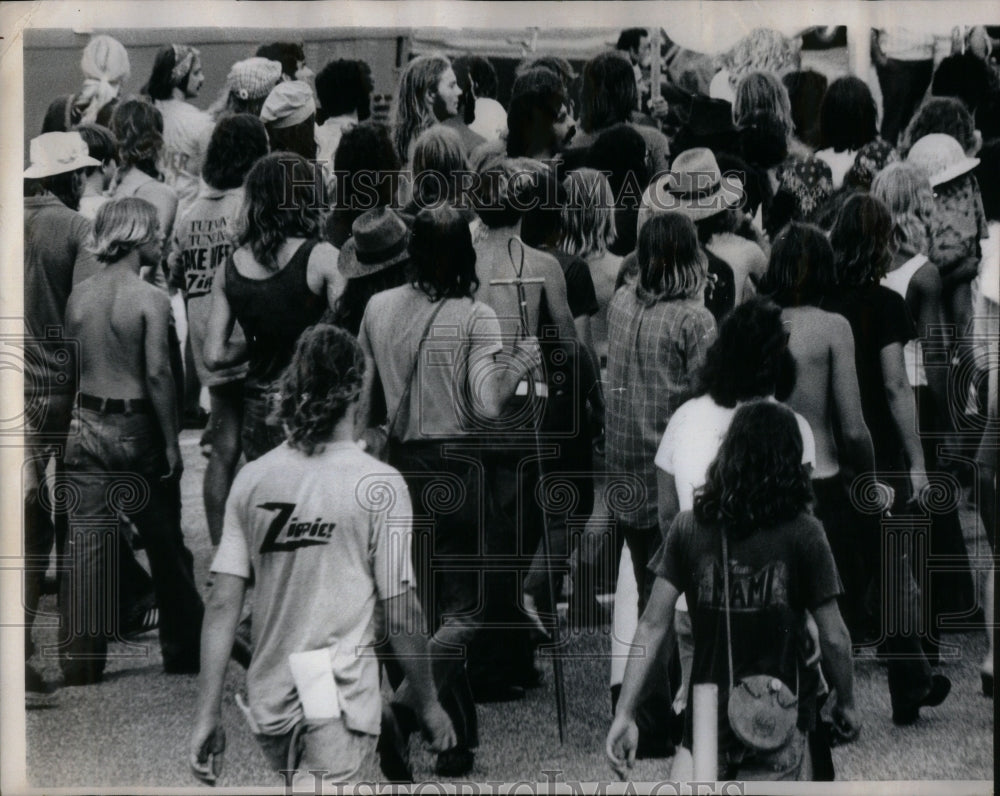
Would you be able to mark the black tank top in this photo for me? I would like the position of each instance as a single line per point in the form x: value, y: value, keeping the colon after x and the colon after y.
x: 273, y: 312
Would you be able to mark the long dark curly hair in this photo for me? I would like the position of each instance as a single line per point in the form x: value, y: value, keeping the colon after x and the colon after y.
x: 861, y: 239
x: 321, y: 382
x: 138, y: 126
x: 757, y: 480
x: 750, y: 357
x: 284, y: 199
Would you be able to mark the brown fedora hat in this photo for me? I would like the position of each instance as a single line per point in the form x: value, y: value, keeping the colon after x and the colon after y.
x: 379, y: 239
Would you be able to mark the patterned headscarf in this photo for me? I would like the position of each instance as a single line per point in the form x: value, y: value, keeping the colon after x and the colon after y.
x: 184, y: 58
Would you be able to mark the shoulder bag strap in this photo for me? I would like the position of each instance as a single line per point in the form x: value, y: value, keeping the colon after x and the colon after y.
x: 729, y: 630
x: 404, y: 400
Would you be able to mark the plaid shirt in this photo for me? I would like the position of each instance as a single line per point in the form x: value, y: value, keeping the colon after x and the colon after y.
x: 654, y: 354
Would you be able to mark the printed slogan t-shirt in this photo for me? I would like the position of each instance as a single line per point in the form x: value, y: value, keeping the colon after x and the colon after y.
x: 327, y: 536
x: 775, y: 575
x: 202, y: 241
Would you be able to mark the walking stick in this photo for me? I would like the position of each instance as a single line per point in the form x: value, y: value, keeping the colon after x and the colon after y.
x: 519, y: 281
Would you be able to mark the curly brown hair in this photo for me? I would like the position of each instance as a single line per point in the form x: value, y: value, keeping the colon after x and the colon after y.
x: 320, y: 383
x: 757, y: 480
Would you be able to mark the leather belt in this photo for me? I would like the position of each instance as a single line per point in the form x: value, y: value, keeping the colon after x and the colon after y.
x: 116, y: 406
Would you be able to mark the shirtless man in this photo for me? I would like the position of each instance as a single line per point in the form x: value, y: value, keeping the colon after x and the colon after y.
x: 506, y: 188
x: 826, y: 394
x: 123, y: 447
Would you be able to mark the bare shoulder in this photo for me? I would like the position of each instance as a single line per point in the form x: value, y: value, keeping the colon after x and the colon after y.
x: 150, y: 299
x: 324, y: 250
x: 543, y: 263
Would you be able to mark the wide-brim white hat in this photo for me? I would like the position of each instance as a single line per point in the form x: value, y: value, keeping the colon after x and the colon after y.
x: 941, y: 157
x: 57, y: 153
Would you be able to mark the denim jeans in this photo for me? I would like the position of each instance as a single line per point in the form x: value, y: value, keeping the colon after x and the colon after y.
x: 327, y: 747
x: 258, y: 435
x: 115, y: 465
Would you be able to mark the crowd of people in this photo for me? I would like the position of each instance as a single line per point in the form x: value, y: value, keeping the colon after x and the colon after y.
x: 731, y: 309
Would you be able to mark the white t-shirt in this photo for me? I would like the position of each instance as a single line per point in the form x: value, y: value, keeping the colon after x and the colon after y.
x: 691, y: 442
x: 327, y: 535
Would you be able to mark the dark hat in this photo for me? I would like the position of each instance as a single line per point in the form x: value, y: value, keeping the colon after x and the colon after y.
x: 379, y: 239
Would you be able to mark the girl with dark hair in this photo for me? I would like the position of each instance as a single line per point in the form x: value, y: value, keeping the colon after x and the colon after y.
x: 176, y: 79
x: 609, y: 96
x: 752, y: 520
x: 881, y: 323
x: 138, y: 126
x: 202, y: 241
x: 407, y: 333
x: 278, y: 281
x: 366, y: 166
x: 848, y: 120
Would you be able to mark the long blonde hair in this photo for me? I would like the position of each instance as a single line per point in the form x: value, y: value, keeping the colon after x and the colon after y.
x: 410, y: 113
x: 906, y: 191
x: 588, y: 217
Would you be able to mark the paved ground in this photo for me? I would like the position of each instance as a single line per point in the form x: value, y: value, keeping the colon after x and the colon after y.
x: 131, y: 730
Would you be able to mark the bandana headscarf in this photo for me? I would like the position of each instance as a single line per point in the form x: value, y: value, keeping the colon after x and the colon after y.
x: 184, y: 58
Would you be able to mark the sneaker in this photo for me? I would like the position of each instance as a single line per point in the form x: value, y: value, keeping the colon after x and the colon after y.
x: 38, y: 693
x: 908, y: 714
x: 145, y: 622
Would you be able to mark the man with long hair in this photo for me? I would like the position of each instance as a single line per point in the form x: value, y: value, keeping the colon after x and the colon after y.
x: 125, y: 427
x: 428, y: 93
x: 826, y: 393
x: 882, y: 326
x: 326, y: 529
x: 435, y: 354
x: 755, y: 502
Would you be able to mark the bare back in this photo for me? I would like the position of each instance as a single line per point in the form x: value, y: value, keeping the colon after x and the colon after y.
x: 810, y: 342
x: 494, y: 262
x: 107, y: 315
